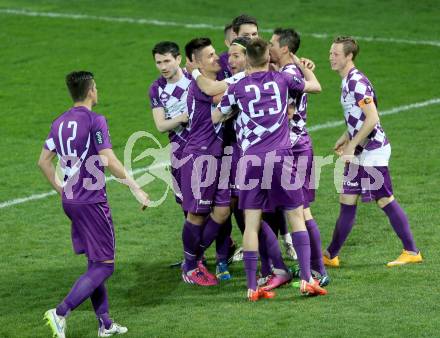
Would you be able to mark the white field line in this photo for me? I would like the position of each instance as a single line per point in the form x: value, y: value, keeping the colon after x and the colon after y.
x: 327, y: 125
x: 153, y: 22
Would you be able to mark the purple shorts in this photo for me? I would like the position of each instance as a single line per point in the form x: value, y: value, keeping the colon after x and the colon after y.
x: 92, y: 230
x: 304, y: 166
x: 200, y: 184
x: 267, y: 188
x: 372, y: 183
x: 234, y: 165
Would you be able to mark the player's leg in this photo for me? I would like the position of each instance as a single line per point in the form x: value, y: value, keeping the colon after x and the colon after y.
x: 316, y: 260
x: 301, y: 243
x: 96, y: 274
x: 344, y: 224
x: 269, y: 243
x: 399, y: 222
x: 250, y: 254
x: 99, y: 301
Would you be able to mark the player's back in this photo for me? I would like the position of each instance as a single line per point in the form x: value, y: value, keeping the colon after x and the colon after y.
x: 262, y: 99
x: 77, y: 136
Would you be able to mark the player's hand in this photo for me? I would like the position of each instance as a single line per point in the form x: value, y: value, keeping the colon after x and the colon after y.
x: 273, y: 67
x: 142, y: 198
x: 184, y: 118
x: 309, y: 64
x: 348, y: 152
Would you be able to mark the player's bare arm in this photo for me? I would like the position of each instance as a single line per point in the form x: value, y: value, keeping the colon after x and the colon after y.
x: 312, y: 84
x: 217, y: 116
x: 309, y: 64
x: 45, y: 162
x: 164, y: 125
x: 341, y: 143
x: 371, y: 119
x: 117, y: 169
x: 208, y: 86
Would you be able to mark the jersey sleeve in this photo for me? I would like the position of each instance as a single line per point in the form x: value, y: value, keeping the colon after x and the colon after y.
x: 362, y: 92
x: 199, y: 95
x: 49, y: 144
x: 155, y: 101
x: 228, y: 100
x: 101, y: 134
x: 295, y: 84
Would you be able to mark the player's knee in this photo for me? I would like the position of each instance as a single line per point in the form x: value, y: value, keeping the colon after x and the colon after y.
x: 220, y: 214
x: 348, y: 199
x: 384, y: 201
x: 308, y: 214
x: 195, y: 219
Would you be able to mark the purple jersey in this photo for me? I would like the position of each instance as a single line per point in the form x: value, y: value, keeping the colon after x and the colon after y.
x: 298, y: 133
x: 224, y: 63
x: 172, y: 98
x: 262, y: 98
x: 203, y: 137
x: 356, y: 87
x: 77, y: 136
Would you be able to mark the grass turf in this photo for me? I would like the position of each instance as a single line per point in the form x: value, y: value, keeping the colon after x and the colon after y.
x: 365, y: 298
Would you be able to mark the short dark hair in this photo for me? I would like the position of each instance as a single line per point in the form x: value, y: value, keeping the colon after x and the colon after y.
x: 79, y: 84
x: 227, y: 28
x: 165, y: 47
x: 256, y: 51
x: 241, y: 41
x: 288, y: 37
x: 243, y: 20
x: 349, y: 45
x: 196, y: 45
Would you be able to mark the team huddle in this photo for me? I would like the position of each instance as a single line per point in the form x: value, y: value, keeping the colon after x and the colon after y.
x: 240, y: 148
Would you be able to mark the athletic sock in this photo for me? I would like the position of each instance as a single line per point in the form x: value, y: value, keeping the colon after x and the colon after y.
x: 301, y: 243
x: 344, y: 224
x: 400, y: 224
x: 250, y: 259
x: 316, y: 262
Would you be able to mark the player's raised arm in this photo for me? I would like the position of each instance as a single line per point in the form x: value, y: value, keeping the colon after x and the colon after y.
x: 164, y: 125
x: 46, y: 165
x: 312, y: 84
x: 118, y: 171
x: 208, y: 86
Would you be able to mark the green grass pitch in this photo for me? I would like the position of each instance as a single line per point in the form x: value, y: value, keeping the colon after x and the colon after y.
x: 37, y: 267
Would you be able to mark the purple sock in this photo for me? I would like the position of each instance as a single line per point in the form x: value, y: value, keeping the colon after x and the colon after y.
x: 84, y: 287
x: 400, y: 224
x: 100, y: 305
x: 223, y: 242
x: 239, y: 218
x: 250, y: 259
x: 264, y: 256
x: 210, y: 232
x: 343, y: 227
x: 191, y: 234
x: 316, y: 262
x: 272, y: 246
x: 99, y: 300
x: 301, y: 243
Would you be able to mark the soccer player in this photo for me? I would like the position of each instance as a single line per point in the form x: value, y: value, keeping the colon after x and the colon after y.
x: 206, y: 204
x: 245, y: 26
x: 285, y: 44
x: 81, y: 140
x: 364, y: 141
x: 223, y: 57
x: 269, y: 250
x: 168, y: 95
x: 264, y: 132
